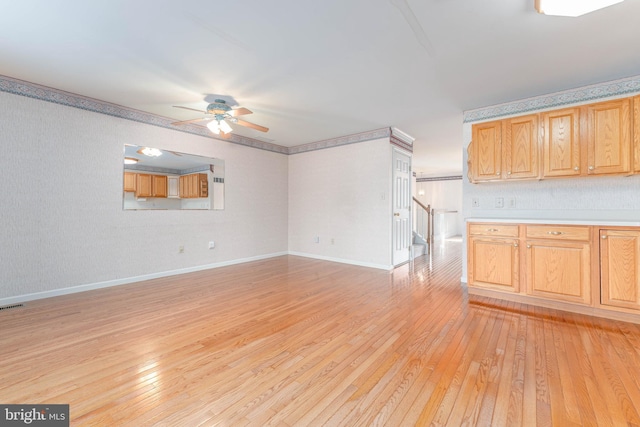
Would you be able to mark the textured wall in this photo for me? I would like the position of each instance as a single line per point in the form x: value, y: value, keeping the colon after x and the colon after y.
x: 62, y: 218
x: 343, y: 194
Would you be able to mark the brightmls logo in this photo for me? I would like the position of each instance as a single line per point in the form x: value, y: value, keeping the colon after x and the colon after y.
x: 34, y: 415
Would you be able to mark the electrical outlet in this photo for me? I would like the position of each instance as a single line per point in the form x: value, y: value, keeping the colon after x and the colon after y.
x: 316, y: 239
x: 475, y: 202
x: 499, y: 202
x: 511, y: 202
x: 181, y: 249
x: 212, y: 244
x: 333, y: 241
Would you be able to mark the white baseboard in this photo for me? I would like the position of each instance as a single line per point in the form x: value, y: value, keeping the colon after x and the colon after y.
x: 91, y: 286
x: 343, y: 261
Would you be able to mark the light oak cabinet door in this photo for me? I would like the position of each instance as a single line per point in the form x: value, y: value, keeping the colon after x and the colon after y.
x: 560, y: 270
x: 159, y: 185
x: 561, y: 142
x: 194, y: 186
x: 144, y: 185
x: 636, y: 133
x: 130, y: 181
x: 609, y: 137
x: 486, y: 151
x: 620, y: 268
x: 493, y: 263
x: 521, y: 147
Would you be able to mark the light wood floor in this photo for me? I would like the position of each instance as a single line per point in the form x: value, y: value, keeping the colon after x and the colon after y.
x: 298, y: 342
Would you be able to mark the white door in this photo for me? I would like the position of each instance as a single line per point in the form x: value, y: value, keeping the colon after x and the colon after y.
x: 401, y: 234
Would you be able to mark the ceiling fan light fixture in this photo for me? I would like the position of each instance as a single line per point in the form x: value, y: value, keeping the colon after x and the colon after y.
x: 150, y: 152
x: 224, y: 127
x: 572, y: 8
x: 130, y: 161
x: 214, y: 126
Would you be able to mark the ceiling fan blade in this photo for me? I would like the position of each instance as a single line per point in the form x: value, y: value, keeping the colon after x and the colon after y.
x: 184, y: 122
x: 251, y: 125
x: 239, y: 112
x: 192, y: 109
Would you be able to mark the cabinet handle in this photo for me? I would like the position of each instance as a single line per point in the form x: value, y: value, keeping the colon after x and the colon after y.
x: 497, y: 173
x: 509, y: 173
x: 604, y: 236
x: 492, y: 229
x: 576, y: 168
x: 590, y: 168
x: 528, y: 246
x: 515, y: 245
x: 555, y: 233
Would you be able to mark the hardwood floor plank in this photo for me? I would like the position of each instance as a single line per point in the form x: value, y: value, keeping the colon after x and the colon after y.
x: 291, y: 341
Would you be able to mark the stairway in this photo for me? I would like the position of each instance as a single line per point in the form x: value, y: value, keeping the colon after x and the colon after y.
x: 419, y: 246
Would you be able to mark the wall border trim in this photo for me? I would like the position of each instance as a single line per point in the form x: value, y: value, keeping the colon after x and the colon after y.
x: 56, y: 96
x: 612, y: 88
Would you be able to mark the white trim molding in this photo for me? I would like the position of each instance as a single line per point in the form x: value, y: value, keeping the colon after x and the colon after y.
x: 125, y: 281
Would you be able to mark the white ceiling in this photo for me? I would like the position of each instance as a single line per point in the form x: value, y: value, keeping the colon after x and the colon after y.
x: 319, y: 69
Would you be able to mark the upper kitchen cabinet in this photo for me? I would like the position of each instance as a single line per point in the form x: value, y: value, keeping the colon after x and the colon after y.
x: 486, y: 152
x: 636, y: 132
x: 561, y: 142
x: 609, y: 137
x: 596, y: 139
x: 521, y: 147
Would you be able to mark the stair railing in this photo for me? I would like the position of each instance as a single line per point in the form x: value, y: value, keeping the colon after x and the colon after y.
x: 423, y: 221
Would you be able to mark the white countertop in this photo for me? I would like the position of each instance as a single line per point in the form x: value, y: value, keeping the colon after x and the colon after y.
x: 615, y: 223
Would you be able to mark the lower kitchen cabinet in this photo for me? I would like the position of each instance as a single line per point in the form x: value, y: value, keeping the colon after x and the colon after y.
x: 493, y: 263
x: 620, y: 268
x: 559, y: 270
x: 590, y: 269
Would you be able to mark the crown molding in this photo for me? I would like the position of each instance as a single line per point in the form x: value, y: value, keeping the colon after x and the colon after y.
x: 343, y: 140
x: 44, y: 93
x: 584, y: 94
x: 48, y: 94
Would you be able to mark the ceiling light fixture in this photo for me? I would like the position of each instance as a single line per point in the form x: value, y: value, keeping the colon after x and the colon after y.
x: 572, y: 8
x: 150, y: 152
x: 224, y: 127
x: 130, y: 161
x: 216, y: 126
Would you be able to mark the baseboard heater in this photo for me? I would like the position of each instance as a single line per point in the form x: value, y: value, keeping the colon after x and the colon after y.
x: 11, y: 306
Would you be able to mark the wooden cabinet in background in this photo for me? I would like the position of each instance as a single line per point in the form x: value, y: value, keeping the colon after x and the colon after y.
x: 561, y: 142
x: 636, y: 133
x: 521, y: 147
x: 159, y: 186
x: 506, y: 149
x: 493, y: 261
x: 609, y: 137
x: 620, y: 268
x: 558, y: 263
x: 130, y: 181
x: 587, y: 269
x: 194, y: 186
x: 595, y: 139
x: 486, y: 151
x: 144, y: 185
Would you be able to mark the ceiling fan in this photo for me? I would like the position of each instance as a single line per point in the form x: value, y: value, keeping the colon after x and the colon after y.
x: 219, y: 114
